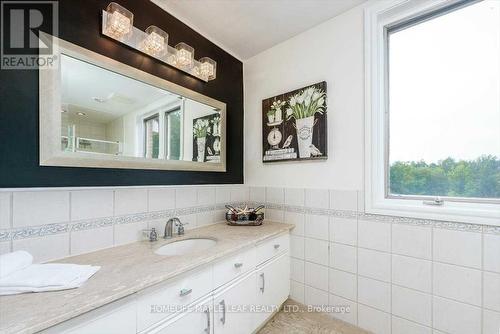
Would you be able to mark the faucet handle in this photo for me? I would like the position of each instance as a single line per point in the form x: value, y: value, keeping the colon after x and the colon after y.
x: 180, y: 227
x: 151, y: 234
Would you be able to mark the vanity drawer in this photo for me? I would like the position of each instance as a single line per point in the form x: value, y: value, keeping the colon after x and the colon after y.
x: 270, y: 248
x: 230, y: 268
x: 162, y: 301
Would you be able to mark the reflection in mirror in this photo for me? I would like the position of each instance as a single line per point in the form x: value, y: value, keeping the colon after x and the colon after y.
x: 107, y: 113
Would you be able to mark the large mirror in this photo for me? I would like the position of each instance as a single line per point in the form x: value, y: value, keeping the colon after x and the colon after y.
x: 102, y: 113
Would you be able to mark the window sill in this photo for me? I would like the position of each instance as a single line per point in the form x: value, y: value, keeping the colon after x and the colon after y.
x: 470, y: 213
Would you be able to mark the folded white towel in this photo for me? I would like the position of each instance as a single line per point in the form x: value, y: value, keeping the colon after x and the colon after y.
x: 19, y: 275
x: 83, y: 274
x: 14, y: 261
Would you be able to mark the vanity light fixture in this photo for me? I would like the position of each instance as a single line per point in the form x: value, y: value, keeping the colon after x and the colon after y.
x: 156, y: 42
x: 207, y: 68
x: 184, y: 55
x: 117, y: 23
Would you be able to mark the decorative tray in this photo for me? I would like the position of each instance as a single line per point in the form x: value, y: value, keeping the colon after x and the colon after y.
x: 244, y: 217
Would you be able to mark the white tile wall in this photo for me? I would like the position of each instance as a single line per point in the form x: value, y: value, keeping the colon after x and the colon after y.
x: 394, y: 277
x: 258, y: 194
x: 374, y: 293
x: 316, y: 276
x: 412, y: 305
x: 400, y: 277
x: 5, y: 247
x: 32, y: 208
x: 128, y: 201
x: 315, y: 296
x: 345, y: 309
x: 90, y: 240
x: 403, y: 326
x: 458, y: 283
x: 343, y: 230
x: 294, y: 196
x: 88, y: 204
x: 222, y: 195
x: 317, y: 198
x: 491, y: 251
x: 491, y: 291
x: 297, y: 269
x: 161, y: 199
x: 45, y: 248
x: 454, y: 317
x: 185, y: 197
x: 275, y: 195
x: 316, y: 251
x: 5, y: 203
x: 343, y: 257
x: 412, y: 273
x: 297, y: 219
x: 344, y: 200
x: 412, y: 240
x: 491, y: 322
x: 343, y: 284
x: 316, y: 226
x: 457, y: 247
x: 374, y: 264
x: 374, y: 235
x: 374, y: 320
x: 206, y: 196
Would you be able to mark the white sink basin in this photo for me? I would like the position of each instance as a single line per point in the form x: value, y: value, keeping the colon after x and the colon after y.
x: 185, y: 246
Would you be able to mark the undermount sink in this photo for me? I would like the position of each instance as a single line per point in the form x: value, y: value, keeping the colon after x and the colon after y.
x: 186, y: 246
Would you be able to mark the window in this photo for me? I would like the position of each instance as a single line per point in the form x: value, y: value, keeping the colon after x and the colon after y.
x: 174, y: 134
x: 433, y: 110
x: 152, y: 137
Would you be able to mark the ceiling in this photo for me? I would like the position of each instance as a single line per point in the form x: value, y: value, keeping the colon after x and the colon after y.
x: 245, y: 28
x: 104, y: 95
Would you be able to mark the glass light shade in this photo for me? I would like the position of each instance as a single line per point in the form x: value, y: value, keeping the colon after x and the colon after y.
x: 156, y: 41
x: 208, y: 68
x: 184, y: 55
x: 119, y: 22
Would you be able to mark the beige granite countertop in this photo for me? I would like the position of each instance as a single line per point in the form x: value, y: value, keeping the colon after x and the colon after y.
x: 124, y: 270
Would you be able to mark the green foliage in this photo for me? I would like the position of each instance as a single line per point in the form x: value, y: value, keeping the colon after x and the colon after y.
x: 472, y: 178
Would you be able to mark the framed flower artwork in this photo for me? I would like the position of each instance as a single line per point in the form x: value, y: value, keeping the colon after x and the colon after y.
x: 294, y: 125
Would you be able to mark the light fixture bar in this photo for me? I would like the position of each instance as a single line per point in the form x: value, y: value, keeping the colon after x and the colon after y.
x: 180, y: 57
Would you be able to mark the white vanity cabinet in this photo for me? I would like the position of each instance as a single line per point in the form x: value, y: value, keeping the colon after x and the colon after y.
x: 272, y: 286
x: 198, y: 320
x: 234, y: 295
x: 118, y: 317
x: 233, y: 307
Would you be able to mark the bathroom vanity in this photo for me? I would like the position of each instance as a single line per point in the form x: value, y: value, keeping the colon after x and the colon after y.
x: 233, y: 286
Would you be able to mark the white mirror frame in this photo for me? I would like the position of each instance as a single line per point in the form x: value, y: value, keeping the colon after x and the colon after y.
x: 50, y: 115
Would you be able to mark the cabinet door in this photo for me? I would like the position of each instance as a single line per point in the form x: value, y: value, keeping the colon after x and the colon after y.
x: 198, y: 319
x: 272, y: 287
x: 233, y: 307
x: 116, y: 318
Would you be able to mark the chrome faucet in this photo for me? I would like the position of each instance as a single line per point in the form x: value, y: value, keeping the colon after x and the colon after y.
x: 169, y: 227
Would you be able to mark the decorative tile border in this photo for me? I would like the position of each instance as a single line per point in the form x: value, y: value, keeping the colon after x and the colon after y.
x: 43, y: 230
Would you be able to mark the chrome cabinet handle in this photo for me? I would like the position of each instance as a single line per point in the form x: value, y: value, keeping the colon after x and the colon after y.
x: 263, y: 283
x: 223, y: 304
x: 207, y: 312
x: 185, y: 292
x: 238, y: 265
x: 276, y: 246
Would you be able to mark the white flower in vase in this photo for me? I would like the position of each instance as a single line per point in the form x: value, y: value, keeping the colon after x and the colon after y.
x: 305, y: 105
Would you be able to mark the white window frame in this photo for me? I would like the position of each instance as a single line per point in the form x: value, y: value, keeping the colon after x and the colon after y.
x: 379, y: 15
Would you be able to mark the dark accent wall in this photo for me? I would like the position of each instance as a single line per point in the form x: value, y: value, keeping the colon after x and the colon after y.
x: 79, y: 23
